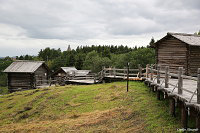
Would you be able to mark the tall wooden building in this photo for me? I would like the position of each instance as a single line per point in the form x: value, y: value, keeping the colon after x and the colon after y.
x: 179, y: 50
x: 26, y: 74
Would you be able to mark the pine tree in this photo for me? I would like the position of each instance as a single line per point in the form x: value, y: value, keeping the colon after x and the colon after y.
x: 152, y: 43
x: 69, y: 48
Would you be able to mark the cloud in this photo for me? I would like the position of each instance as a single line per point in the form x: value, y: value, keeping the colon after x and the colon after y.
x: 11, y: 31
x: 58, y: 23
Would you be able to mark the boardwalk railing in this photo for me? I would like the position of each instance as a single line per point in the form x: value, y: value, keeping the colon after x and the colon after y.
x: 162, y: 79
x: 122, y: 73
x: 177, y: 87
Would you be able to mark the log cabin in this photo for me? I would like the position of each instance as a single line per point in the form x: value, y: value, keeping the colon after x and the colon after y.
x: 26, y: 75
x: 179, y: 50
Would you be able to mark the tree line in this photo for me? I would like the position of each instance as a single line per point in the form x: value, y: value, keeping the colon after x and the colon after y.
x: 87, y: 57
x: 94, y: 57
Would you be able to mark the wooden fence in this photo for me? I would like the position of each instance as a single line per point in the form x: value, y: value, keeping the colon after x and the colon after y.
x: 113, y: 72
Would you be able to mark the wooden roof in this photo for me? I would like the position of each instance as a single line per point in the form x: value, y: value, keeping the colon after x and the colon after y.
x: 23, y: 66
x: 190, y: 39
x: 82, y: 72
x: 68, y: 69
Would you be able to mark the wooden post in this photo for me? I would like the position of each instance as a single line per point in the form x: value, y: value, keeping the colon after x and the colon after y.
x: 114, y: 72
x: 127, y: 75
x: 198, y: 121
x: 151, y: 72
x: 124, y: 72
x: 172, y: 106
x: 184, y: 115
x: 103, y: 71
x: 140, y: 71
x: 110, y: 71
x: 198, y: 87
x: 94, y: 78
x: 180, y: 80
x: 147, y: 71
x: 158, y: 74
x: 167, y: 77
x: 158, y: 94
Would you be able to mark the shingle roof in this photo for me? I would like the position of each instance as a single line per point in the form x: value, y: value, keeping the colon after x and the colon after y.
x: 82, y: 72
x: 190, y: 39
x: 24, y: 66
x: 68, y: 69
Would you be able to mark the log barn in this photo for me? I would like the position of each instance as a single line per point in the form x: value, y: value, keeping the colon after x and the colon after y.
x: 26, y: 75
x: 179, y: 50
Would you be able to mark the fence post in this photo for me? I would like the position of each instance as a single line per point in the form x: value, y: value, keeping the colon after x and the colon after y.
x: 114, y: 72
x: 147, y: 71
x: 151, y: 72
x: 110, y: 71
x: 158, y: 74
x: 94, y: 78
x: 180, y: 80
x: 167, y: 77
x: 124, y: 72
x: 198, y: 86
x: 103, y: 71
x: 140, y: 71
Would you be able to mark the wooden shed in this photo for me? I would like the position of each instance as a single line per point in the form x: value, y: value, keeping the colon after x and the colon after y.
x: 179, y: 50
x: 27, y: 75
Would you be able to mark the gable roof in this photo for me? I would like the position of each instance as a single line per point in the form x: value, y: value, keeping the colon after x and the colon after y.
x: 190, y: 39
x: 23, y: 66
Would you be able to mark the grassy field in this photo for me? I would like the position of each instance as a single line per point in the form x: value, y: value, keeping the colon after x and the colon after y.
x: 91, y: 108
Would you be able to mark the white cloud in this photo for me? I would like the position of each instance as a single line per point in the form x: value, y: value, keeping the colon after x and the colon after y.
x: 27, y: 26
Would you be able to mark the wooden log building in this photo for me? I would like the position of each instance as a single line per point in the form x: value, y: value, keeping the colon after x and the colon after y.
x: 179, y: 50
x: 67, y: 73
x: 64, y: 72
x: 26, y: 74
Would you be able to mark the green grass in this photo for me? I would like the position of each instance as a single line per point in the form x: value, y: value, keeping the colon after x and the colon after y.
x: 3, y: 90
x: 103, y: 107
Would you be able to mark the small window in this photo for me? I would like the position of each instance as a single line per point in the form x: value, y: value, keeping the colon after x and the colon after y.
x: 45, y: 74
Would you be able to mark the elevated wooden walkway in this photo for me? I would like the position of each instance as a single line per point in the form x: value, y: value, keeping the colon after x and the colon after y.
x: 182, y: 91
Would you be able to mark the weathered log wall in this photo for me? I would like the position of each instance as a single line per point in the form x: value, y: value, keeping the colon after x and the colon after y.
x: 173, y: 53
x: 20, y: 80
x: 194, y: 61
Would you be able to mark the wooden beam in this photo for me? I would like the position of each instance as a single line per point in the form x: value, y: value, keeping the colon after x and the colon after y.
x: 198, y: 121
x: 198, y: 86
x: 184, y: 115
x: 158, y: 94
x: 158, y: 74
x: 172, y: 106
x: 167, y: 77
x: 151, y: 72
x: 180, y: 80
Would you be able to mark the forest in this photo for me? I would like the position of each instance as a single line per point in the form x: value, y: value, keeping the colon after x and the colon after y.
x: 87, y: 57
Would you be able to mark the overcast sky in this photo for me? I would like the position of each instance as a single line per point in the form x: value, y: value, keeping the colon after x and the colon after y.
x: 26, y: 26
